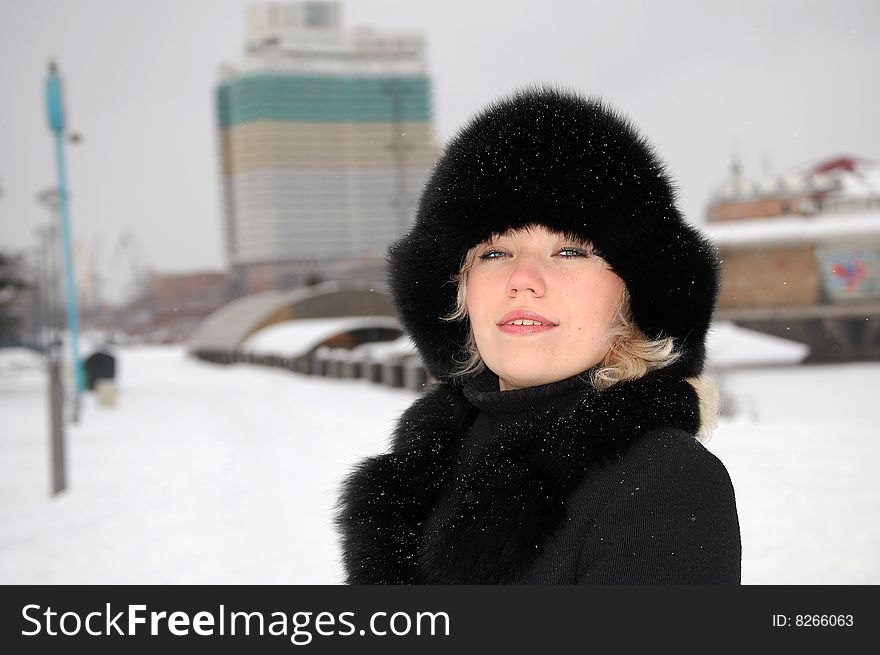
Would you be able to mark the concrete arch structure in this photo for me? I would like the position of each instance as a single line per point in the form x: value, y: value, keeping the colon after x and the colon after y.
x: 225, y: 330
x: 302, y: 336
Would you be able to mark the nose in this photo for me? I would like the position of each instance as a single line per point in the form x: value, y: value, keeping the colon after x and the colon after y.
x: 526, y: 276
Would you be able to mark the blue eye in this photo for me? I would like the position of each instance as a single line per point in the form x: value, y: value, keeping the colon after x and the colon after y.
x: 572, y: 253
x: 492, y: 254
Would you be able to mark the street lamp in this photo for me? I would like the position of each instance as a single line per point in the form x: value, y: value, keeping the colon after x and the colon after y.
x: 55, y: 115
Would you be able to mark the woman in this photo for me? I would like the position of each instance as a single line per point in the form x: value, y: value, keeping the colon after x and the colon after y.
x: 562, y: 303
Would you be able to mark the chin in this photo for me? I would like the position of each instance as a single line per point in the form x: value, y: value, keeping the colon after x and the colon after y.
x: 523, y: 379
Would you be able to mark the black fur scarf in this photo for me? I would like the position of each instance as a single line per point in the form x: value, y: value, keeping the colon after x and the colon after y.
x: 511, y: 496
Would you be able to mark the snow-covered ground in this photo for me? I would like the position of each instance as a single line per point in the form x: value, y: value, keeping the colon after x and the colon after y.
x: 210, y: 474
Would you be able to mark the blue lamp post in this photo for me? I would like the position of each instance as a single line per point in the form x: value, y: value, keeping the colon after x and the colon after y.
x: 55, y: 114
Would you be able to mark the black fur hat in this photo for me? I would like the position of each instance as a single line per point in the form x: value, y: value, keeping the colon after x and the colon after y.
x: 572, y: 164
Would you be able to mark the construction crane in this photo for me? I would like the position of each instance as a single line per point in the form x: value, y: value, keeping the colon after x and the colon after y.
x: 141, y: 270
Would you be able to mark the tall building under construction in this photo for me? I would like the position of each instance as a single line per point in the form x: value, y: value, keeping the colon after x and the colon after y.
x: 325, y: 142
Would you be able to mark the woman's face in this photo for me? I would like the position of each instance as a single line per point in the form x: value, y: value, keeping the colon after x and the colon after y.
x: 540, y: 306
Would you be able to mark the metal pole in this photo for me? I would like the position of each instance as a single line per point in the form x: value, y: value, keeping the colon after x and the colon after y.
x: 52, y: 349
x: 39, y: 297
x: 56, y: 402
x: 55, y: 111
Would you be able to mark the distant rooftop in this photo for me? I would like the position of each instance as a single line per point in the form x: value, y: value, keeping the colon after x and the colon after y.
x: 839, y: 185
x: 279, y: 29
x: 275, y: 23
x: 796, y: 229
x: 839, y: 177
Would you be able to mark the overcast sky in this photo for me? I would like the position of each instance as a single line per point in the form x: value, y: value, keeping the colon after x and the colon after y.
x: 781, y: 83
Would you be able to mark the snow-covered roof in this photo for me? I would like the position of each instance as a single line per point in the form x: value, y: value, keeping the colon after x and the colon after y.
x: 766, y: 231
x: 401, y: 346
x: 860, y: 184
x: 300, y: 336
x: 840, y: 178
x: 730, y: 345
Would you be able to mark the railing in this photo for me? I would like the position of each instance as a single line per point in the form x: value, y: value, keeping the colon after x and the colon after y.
x: 398, y: 370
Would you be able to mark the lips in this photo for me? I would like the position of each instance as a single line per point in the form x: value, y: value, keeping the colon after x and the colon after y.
x: 526, y: 315
x: 525, y: 322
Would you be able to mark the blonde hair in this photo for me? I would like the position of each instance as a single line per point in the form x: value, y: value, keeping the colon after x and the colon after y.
x: 631, y: 354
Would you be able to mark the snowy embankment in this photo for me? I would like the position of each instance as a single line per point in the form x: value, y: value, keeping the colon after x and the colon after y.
x: 201, y: 474
x: 210, y: 474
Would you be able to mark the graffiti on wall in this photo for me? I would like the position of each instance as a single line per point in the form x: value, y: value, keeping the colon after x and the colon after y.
x: 849, y: 273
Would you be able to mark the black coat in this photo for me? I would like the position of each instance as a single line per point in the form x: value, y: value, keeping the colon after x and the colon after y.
x: 562, y: 485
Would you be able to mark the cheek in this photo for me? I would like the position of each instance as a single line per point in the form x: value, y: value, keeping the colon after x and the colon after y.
x: 477, y: 291
x: 471, y: 299
x: 595, y: 317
